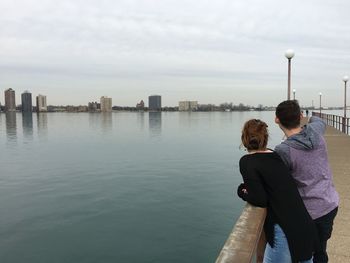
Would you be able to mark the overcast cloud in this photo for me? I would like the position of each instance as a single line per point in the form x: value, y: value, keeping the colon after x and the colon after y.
x: 210, y: 51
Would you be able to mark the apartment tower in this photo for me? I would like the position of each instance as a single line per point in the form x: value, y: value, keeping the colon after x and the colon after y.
x: 41, y: 105
x: 106, y: 104
x: 155, y: 103
x: 10, y: 100
x: 27, y: 102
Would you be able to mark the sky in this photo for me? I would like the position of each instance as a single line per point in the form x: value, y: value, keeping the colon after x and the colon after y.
x: 209, y: 51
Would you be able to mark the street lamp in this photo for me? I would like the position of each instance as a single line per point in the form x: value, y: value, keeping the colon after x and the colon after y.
x: 294, y: 94
x: 320, y: 102
x: 289, y: 55
x: 345, y: 79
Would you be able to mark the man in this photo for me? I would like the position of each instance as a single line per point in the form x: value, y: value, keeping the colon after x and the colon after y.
x: 305, y: 153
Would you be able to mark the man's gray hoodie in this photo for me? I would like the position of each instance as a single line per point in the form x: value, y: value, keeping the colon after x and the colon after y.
x: 305, y: 154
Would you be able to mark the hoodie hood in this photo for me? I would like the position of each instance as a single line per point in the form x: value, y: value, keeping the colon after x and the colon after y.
x: 307, y: 139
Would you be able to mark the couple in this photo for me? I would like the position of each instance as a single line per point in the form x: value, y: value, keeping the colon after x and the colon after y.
x: 294, y: 183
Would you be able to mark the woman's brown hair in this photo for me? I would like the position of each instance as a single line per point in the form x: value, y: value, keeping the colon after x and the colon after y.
x: 255, y: 135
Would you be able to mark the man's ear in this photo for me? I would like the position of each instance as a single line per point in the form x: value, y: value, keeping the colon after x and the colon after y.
x: 277, y: 121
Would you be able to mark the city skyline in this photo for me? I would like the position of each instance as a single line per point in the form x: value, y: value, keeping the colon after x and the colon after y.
x: 26, y: 98
x: 208, y: 51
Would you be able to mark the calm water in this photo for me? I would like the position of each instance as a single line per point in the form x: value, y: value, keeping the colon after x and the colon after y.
x: 119, y: 187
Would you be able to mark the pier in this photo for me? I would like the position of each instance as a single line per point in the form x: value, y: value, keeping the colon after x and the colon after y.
x: 338, y: 144
x: 242, y: 244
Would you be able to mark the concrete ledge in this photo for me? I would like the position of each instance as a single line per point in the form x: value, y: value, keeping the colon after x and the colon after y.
x: 241, y: 244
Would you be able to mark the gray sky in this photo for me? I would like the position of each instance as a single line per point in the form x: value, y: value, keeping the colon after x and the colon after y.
x: 210, y: 51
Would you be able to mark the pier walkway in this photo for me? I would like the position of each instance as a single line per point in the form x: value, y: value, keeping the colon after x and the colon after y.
x: 338, y: 145
x: 242, y: 245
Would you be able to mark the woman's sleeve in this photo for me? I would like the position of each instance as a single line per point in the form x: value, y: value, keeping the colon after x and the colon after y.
x: 255, y: 193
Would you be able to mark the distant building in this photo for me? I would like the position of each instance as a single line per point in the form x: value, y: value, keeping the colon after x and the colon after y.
x: 141, y: 105
x: 27, y: 102
x: 10, y: 100
x: 93, y: 106
x: 188, y: 105
x: 106, y: 104
x: 80, y: 108
x: 41, y: 105
x: 155, y: 103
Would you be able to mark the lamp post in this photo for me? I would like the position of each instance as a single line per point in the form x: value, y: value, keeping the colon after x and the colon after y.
x: 320, y: 102
x: 294, y: 94
x: 345, y: 79
x: 289, y: 55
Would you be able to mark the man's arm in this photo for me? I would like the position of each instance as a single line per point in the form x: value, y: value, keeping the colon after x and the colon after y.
x: 317, y: 124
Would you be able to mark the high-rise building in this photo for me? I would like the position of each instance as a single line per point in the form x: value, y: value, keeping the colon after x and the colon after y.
x: 41, y: 105
x: 106, y: 104
x: 10, y: 100
x: 188, y: 105
x: 155, y: 103
x: 27, y: 102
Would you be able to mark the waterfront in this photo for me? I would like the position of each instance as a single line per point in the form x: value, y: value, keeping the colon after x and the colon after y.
x: 120, y: 187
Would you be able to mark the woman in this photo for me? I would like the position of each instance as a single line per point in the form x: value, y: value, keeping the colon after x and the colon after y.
x: 289, y: 229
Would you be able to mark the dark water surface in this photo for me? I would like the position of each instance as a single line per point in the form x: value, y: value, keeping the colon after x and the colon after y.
x: 119, y: 187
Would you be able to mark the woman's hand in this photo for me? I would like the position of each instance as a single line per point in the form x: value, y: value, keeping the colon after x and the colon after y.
x: 242, y: 191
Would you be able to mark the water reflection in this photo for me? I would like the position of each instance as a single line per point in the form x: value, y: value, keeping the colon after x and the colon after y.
x: 94, y: 119
x: 106, y: 121
x: 42, y: 124
x: 155, y: 123
x: 141, y: 120
x: 27, y: 124
x: 101, y: 121
x: 11, y: 126
x: 188, y: 119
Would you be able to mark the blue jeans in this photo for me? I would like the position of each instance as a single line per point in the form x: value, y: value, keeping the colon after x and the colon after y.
x: 279, y: 253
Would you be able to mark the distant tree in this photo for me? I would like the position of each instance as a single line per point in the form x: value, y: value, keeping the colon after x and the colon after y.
x: 242, y: 107
x: 260, y: 107
x: 224, y: 106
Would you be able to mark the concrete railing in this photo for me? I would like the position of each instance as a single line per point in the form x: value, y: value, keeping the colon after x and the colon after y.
x: 246, y: 240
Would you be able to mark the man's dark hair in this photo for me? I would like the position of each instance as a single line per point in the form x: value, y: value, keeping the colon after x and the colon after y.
x: 288, y: 112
